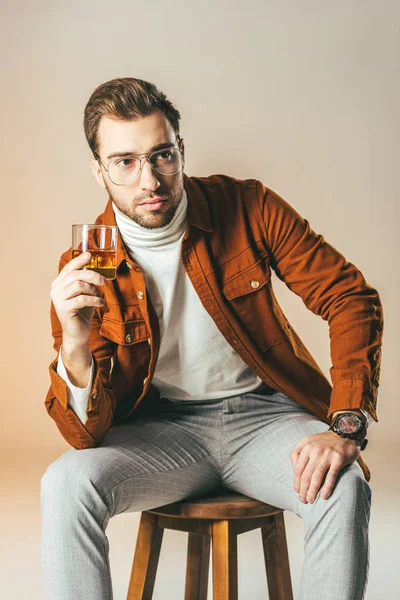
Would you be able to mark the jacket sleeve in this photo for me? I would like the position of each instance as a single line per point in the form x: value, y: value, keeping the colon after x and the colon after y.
x: 101, y: 399
x: 334, y: 289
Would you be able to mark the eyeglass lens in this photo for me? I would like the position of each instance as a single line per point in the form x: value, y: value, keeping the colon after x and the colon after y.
x: 124, y: 170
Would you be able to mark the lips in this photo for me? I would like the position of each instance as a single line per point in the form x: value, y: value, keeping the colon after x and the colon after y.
x: 154, y: 204
x: 154, y: 201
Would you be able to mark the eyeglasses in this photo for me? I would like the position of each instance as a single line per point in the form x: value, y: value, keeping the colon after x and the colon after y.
x: 124, y: 170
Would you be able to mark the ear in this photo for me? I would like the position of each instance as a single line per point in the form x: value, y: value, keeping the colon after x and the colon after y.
x: 182, y: 147
x: 97, y: 172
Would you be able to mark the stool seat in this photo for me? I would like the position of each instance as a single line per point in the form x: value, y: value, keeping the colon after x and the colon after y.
x: 219, y: 518
x: 222, y: 505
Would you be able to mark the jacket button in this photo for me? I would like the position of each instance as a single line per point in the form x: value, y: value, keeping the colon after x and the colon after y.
x: 94, y: 395
x: 128, y: 338
x: 140, y: 295
x: 128, y: 264
x: 255, y: 284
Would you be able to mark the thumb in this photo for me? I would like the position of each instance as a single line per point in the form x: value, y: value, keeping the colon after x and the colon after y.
x: 294, y: 455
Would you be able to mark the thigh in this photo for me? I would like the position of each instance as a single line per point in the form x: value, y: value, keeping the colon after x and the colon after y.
x: 139, y: 465
x: 260, y: 433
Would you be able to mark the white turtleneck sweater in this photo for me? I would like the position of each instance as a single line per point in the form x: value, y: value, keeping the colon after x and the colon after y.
x: 195, y: 362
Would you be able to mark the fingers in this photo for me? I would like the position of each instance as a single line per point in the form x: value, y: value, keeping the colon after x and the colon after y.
x: 74, y: 281
x: 329, y: 482
x: 299, y: 469
x: 88, y: 275
x: 88, y: 294
x: 311, y: 481
x: 297, y: 451
x: 81, y: 301
x: 73, y: 265
x: 308, y: 475
x: 70, y: 274
x: 80, y: 287
x: 75, y: 288
x: 317, y: 461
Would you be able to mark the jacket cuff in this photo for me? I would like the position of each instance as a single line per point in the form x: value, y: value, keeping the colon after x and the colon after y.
x: 99, y: 420
x: 58, y: 385
x: 349, y: 394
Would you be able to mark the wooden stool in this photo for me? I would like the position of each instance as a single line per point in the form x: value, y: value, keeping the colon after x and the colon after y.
x: 220, y: 517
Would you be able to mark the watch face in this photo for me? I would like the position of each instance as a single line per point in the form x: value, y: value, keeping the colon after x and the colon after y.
x: 348, y: 424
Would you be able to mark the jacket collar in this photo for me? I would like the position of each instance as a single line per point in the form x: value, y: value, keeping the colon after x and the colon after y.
x: 198, y: 211
x: 198, y: 214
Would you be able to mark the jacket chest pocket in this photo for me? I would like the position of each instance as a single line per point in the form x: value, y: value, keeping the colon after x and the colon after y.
x: 124, y: 333
x: 251, y: 298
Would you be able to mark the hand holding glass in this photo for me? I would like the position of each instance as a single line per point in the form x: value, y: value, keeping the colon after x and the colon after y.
x: 101, y: 242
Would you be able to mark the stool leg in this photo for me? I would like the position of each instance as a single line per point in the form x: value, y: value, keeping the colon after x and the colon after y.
x: 277, y: 558
x: 224, y: 553
x: 198, y: 561
x: 147, y: 552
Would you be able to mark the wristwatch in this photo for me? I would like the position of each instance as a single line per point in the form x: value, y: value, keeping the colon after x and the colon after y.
x: 351, y: 426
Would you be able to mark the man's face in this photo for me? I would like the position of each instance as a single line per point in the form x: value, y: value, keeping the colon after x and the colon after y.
x: 138, y: 137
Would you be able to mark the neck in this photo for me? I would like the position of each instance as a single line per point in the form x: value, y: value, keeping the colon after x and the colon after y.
x: 135, y: 236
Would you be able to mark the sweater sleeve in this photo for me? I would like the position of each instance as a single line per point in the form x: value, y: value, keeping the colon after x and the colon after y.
x: 78, y: 398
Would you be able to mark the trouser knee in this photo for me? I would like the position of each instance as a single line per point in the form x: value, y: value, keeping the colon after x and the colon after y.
x: 74, y: 479
x: 348, y: 505
x: 352, y: 490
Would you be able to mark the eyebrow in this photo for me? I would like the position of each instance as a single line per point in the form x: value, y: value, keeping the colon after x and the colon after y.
x: 153, y: 149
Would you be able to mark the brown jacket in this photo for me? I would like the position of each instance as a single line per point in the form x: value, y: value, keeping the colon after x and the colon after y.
x: 237, y: 232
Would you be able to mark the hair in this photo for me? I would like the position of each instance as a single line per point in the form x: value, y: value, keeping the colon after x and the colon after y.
x: 125, y: 99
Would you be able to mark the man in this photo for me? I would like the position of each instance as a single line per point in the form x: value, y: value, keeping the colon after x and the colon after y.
x: 183, y: 373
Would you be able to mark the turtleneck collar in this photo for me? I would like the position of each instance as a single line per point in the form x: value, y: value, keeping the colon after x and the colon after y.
x: 136, y: 236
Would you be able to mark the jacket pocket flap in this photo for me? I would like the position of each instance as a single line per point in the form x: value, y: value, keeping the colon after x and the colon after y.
x: 125, y: 334
x: 246, y: 282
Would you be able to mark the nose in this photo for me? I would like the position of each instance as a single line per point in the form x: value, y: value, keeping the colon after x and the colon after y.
x: 148, y: 179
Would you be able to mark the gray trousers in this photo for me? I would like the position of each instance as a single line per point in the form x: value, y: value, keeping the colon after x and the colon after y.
x: 188, y: 448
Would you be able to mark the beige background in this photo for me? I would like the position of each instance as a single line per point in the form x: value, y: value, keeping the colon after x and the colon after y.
x: 302, y: 95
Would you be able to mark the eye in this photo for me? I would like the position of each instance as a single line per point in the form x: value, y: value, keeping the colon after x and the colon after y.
x: 125, y: 163
x: 165, y: 155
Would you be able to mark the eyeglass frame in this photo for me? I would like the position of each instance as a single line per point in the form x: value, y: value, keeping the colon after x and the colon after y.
x: 146, y: 156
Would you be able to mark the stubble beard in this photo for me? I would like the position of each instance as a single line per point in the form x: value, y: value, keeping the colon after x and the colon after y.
x: 153, y: 219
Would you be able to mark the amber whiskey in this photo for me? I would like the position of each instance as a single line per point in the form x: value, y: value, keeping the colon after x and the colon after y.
x: 103, y: 261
